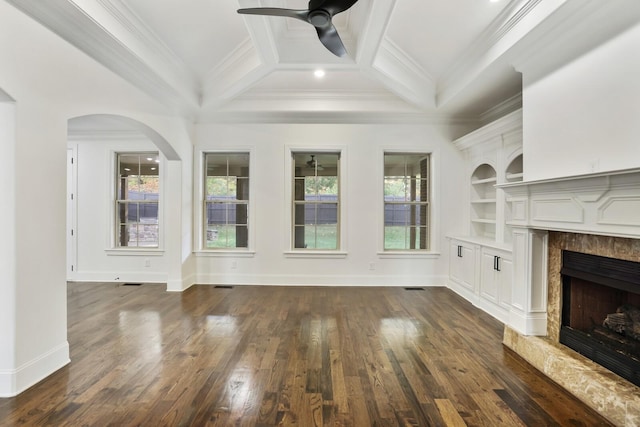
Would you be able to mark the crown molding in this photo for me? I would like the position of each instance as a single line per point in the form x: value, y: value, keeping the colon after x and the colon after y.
x: 237, y: 72
x: 505, y: 31
x: 319, y: 100
x: 512, y: 122
x: 576, y: 28
x: 502, y: 109
x: 141, y: 32
x: 403, y: 76
x: 75, y: 25
x: 331, y: 117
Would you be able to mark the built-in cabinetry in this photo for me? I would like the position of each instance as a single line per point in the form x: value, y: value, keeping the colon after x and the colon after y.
x: 482, y: 274
x: 480, y: 266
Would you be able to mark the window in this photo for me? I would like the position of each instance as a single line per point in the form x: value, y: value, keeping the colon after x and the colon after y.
x: 406, y: 201
x: 226, y: 200
x: 316, y: 201
x: 137, y: 190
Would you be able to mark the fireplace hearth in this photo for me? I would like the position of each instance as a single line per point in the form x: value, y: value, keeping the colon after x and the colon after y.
x: 601, y: 311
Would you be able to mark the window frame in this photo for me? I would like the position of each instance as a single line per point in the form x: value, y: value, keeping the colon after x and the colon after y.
x: 429, y: 250
x: 290, y: 250
x: 199, y: 191
x: 115, y: 247
x: 205, y: 202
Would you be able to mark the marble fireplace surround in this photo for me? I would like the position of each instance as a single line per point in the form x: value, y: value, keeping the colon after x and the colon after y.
x: 598, y: 214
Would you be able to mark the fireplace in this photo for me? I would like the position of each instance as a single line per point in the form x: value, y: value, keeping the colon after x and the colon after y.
x: 594, y: 214
x: 600, y: 314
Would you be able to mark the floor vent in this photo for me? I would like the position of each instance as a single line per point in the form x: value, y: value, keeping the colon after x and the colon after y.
x: 223, y: 287
x: 131, y: 284
x: 414, y: 289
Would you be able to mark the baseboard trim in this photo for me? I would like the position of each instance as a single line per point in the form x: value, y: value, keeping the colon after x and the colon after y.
x: 15, y: 381
x: 321, y: 280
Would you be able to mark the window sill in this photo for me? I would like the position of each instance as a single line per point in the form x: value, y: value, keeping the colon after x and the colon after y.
x: 315, y: 254
x: 409, y: 254
x: 134, y: 252
x: 225, y: 253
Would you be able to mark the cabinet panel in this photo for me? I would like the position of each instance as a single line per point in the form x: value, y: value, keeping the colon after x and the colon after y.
x: 463, y: 264
x: 504, y: 283
x: 496, y: 277
x: 488, y: 282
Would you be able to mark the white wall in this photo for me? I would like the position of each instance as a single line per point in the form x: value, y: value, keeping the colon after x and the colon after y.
x: 585, y: 117
x: 7, y: 245
x: 362, y: 147
x: 96, y: 259
x: 51, y: 82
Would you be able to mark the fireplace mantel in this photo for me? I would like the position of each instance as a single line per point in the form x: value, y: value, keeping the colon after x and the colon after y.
x: 595, y: 212
x: 605, y: 203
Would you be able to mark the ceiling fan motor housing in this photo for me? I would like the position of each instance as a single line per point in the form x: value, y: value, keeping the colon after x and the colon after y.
x: 319, y: 18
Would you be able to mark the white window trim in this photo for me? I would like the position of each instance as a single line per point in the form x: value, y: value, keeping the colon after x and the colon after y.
x: 288, y: 250
x: 198, y: 215
x: 434, y: 230
x: 112, y: 249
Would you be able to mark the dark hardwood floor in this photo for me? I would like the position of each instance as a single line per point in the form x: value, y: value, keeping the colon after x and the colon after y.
x: 265, y: 356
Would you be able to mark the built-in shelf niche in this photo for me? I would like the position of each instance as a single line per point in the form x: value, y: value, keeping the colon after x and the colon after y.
x: 513, y: 173
x: 483, y: 201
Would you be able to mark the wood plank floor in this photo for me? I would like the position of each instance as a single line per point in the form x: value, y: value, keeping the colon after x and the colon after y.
x: 265, y: 356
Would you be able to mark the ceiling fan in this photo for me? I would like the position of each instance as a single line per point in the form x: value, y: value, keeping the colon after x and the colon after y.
x: 319, y: 14
x: 313, y: 163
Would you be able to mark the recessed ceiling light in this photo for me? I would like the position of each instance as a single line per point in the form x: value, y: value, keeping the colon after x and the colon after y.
x: 319, y: 73
x: 153, y: 169
x: 127, y: 169
x: 149, y: 158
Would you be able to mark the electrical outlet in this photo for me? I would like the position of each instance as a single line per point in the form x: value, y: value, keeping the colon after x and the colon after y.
x: 372, y: 266
x: 234, y: 265
x: 147, y: 262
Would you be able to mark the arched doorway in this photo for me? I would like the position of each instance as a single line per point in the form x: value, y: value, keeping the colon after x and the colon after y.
x: 102, y: 136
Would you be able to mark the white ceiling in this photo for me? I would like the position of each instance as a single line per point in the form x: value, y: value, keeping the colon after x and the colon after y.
x: 417, y: 58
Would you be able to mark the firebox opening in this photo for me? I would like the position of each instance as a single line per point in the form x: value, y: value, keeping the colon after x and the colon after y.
x: 601, y: 311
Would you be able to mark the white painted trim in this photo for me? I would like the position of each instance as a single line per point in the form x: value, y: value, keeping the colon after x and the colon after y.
x: 133, y: 251
x: 528, y: 323
x: 122, y: 277
x: 305, y: 253
x: 181, y: 285
x: 15, y: 381
x: 198, y: 197
x: 213, y: 253
x: 322, y: 280
x: 110, y: 246
x: 343, y: 172
x: 578, y: 203
x: 510, y: 123
x: 434, y: 199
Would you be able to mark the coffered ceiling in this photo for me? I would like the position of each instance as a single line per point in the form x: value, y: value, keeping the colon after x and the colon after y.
x: 420, y: 58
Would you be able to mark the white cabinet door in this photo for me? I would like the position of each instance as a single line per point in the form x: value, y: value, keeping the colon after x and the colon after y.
x: 504, y: 282
x: 495, y: 277
x: 463, y: 264
x: 489, y: 279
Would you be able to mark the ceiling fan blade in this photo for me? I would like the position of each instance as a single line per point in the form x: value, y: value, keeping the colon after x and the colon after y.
x: 332, y: 6
x: 276, y: 11
x: 329, y: 37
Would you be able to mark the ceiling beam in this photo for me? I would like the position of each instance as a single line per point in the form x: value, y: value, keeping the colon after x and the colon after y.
x: 383, y: 60
x: 107, y: 38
